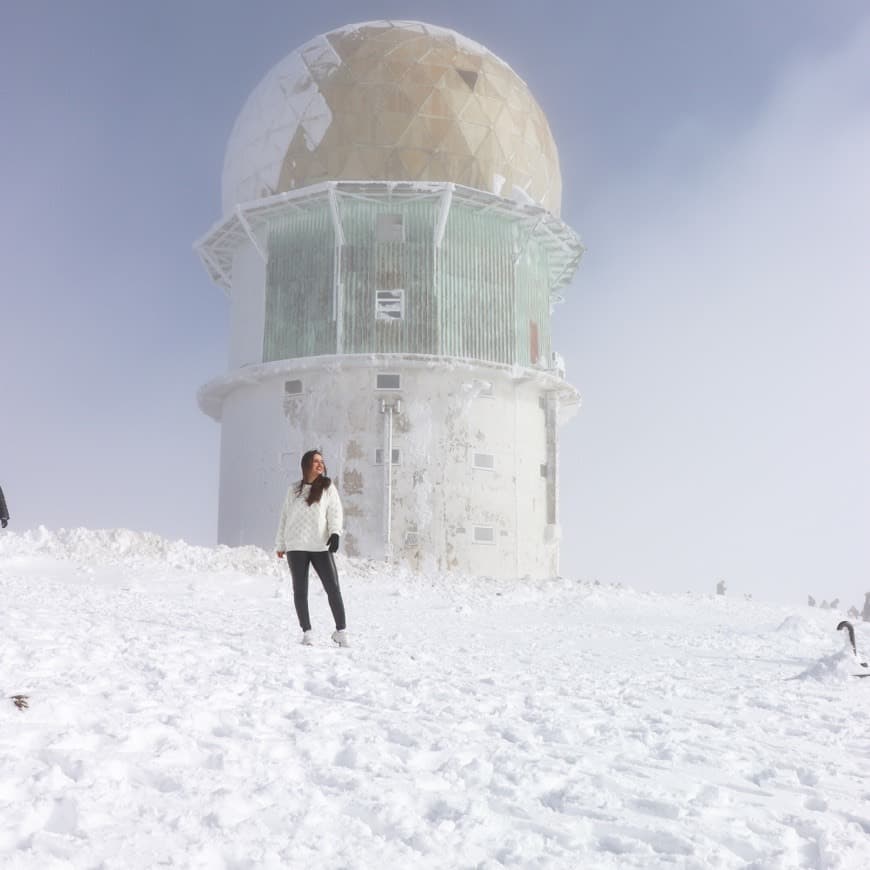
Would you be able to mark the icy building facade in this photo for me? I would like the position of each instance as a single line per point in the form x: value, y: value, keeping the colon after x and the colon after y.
x: 392, y: 251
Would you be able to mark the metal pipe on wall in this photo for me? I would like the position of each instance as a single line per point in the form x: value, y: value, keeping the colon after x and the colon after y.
x: 387, y: 458
x: 388, y: 408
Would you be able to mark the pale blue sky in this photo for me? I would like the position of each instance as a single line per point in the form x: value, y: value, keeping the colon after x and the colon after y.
x: 714, y: 162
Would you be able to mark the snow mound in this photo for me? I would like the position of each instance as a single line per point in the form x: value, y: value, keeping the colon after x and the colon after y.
x: 800, y: 629
x: 837, y: 668
x: 123, y: 547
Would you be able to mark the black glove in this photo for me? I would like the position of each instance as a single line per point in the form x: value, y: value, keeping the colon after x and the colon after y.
x: 332, y: 543
x: 5, y: 523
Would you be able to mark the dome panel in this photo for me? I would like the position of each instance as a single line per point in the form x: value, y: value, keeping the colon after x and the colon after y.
x: 405, y: 53
x: 438, y: 105
x: 353, y: 166
x: 474, y: 134
x: 416, y: 94
x: 415, y: 161
x: 473, y: 113
x: 392, y: 100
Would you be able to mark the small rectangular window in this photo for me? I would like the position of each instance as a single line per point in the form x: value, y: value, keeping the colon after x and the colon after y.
x: 292, y: 388
x: 379, y: 456
x: 483, y: 460
x: 389, y: 382
x: 543, y: 471
x: 390, y: 228
x: 389, y: 305
x: 484, y: 535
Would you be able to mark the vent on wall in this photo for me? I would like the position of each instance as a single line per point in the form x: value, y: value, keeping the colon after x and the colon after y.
x: 389, y: 305
x: 292, y: 388
x: 484, y: 535
x: 485, y: 461
x: 388, y: 382
x: 379, y: 456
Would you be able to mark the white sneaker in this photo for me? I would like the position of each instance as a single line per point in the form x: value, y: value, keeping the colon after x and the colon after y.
x: 340, y: 637
x: 308, y: 638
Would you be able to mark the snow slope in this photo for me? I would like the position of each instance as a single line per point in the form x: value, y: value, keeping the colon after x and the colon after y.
x: 175, y: 720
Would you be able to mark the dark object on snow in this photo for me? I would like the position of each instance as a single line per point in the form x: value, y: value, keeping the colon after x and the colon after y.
x: 720, y: 587
x: 4, y: 511
x: 20, y: 701
x: 332, y: 543
x: 866, y: 614
x: 850, y: 629
x: 811, y: 602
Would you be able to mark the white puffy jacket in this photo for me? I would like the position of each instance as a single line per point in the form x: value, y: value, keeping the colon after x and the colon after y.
x: 308, y: 527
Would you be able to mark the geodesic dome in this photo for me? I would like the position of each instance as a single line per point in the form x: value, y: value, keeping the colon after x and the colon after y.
x: 392, y: 101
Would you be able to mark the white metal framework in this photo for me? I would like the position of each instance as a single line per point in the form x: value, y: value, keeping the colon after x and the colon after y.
x: 217, y: 247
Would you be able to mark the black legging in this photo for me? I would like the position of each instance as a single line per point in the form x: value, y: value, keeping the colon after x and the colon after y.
x: 324, y: 565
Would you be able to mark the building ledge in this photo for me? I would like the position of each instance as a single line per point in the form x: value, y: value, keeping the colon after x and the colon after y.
x: 211, y: 396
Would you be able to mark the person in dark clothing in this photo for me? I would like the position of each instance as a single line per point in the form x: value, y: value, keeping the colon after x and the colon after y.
x: 4, y: 511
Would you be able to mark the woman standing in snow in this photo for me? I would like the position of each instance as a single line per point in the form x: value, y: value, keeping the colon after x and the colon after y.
x: 309, y: 532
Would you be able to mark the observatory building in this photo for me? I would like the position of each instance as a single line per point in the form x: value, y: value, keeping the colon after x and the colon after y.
x: 391, y: 249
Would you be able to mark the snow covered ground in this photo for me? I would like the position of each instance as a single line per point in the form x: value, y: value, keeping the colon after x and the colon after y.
x: 175, y: 721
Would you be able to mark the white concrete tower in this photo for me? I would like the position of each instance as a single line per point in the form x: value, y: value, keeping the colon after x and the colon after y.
x: 392, y: 251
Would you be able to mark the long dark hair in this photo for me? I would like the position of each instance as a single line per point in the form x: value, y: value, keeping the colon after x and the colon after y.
x: 319, y: 484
